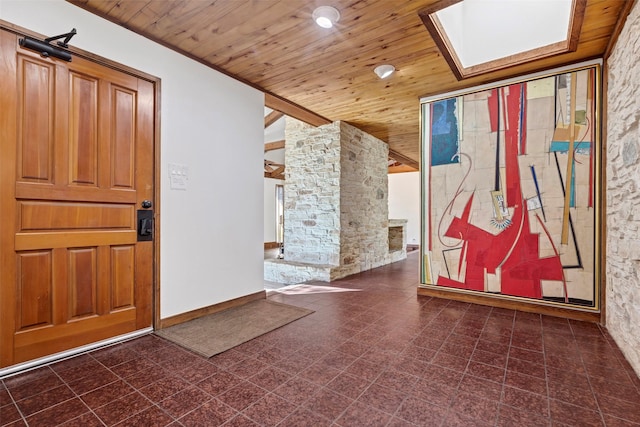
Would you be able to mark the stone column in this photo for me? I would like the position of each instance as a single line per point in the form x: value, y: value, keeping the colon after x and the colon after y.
x: 336, y: 204
x: 312, y: 193
x: 364, y: 205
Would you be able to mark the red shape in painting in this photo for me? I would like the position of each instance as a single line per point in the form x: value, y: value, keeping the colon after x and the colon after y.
x: 515, y: 250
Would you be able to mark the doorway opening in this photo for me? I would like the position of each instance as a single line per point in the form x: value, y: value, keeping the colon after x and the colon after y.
x: 280, y: 220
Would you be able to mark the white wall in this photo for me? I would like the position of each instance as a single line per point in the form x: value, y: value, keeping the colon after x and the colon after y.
x: 623, y: 199
x: 275, y: 132
x: 276, y: 156
x: 270, y: 208
x: 207, y: 118
x: 404, y: 202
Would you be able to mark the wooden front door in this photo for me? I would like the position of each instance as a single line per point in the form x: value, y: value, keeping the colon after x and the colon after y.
x: 76, y: 163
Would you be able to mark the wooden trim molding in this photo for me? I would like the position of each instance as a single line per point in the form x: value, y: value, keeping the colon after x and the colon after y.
x: 271, y: 245
x: 628, y: 6
x: 435, y: 28
x: 204, y: 311
x: 510, y: 304
x: 603, y: 180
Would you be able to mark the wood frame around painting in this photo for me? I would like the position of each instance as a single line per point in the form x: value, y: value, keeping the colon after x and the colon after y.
x: 500, y: 219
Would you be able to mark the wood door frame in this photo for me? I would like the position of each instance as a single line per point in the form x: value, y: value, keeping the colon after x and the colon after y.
x: 155, y: 81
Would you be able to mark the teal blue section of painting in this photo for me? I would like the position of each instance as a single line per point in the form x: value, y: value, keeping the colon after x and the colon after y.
x: 582, y: 147
x: 444, y: 133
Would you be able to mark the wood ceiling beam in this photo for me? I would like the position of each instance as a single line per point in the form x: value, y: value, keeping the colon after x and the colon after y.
x: 294, y: 110
x: 275, y: 145
x: 277, y: 173
x: 404, y: 159
x: 272, y: 117
x: 401, y: 169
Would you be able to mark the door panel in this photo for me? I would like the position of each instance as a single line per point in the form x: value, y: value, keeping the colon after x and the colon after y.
x: 83, y: 282
x: 39, y: 215
x: 123, y: 144
x: 35, y: 161
x: 34, y: 289
x: 80, y: 140
x: 122, y: 290
x: 83, y: 125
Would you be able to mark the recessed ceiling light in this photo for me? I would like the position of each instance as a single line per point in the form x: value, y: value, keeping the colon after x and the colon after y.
x: 326, y: 16
x: 385, y: 70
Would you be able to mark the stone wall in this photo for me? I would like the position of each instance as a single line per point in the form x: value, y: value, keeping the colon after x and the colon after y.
x: 336, y: 204
x: 364, y: 202
x: 312, y: 193
x: 623, y: 191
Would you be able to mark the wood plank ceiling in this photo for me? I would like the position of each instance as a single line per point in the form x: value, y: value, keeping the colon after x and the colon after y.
x: 273, y: 45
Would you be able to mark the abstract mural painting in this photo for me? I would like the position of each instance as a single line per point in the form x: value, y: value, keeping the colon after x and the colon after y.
x: 510, y: 183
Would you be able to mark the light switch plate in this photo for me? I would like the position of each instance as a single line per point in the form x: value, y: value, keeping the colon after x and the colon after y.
x: 178, y: 176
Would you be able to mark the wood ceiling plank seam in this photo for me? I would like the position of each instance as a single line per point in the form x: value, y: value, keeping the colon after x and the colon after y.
x: 129, y: 11
x: 256, y: 42
x: 111, y: 10
x: 355, y: 22
x: 355, y: 74
x: 353, y: 71
x: 181, y: 12
x: 156, y: 28
x: 332, y: 50
x: 331, y: 55
x: 191, y: 38
x: 227, y: 25
x: 117, y: 9
x: 146, y: 16
x: 244, y: 15
x: 207, y: 27
x: 362, y: 107
x: 353, y: 67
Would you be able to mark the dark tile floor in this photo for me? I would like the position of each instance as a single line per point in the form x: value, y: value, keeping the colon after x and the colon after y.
x: 372, y: 354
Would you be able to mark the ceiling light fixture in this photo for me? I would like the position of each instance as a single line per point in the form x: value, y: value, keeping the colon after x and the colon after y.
x: 385, y: 70
x: 326, y: 16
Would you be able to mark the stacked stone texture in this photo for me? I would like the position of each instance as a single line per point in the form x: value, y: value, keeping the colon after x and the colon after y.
x: 336, y: 204
x: 312, y: 193
x: 623, y: 197
x: 364, y: 207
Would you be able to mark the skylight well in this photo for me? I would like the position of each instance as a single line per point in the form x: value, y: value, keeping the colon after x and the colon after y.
x: 478, y: 36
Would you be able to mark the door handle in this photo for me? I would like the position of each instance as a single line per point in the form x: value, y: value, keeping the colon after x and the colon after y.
x: 145, y: 225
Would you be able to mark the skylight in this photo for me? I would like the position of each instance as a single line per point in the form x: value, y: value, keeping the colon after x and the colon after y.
x: 479, y: 36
